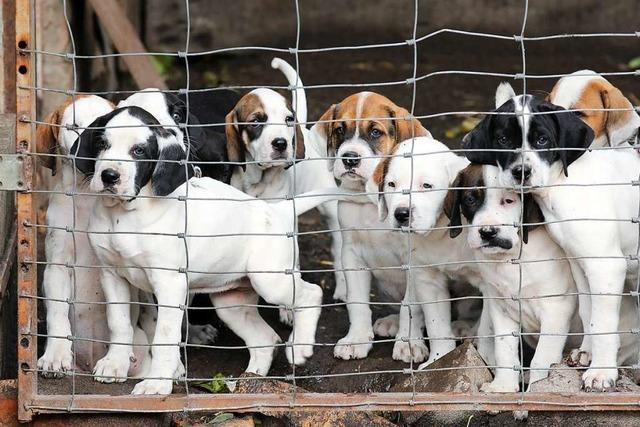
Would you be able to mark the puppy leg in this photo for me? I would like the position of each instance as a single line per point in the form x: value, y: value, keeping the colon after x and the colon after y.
x: 331, y: 214
x: 506, y: 351
x: 582, y: 356
x: 58, y: 356
x: 247, y: 323
x: 409, y: 345
x: 113, y: 367
x: 170, y: 291
x: 485, y: 341
x: 198, y: 334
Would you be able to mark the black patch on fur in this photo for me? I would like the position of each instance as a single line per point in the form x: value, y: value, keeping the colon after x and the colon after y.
x: 168, y: 174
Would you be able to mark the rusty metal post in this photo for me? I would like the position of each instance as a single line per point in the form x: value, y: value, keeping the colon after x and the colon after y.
x: 25, y: 144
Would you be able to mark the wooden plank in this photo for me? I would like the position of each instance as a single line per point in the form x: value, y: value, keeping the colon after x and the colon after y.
x: 126, y: 40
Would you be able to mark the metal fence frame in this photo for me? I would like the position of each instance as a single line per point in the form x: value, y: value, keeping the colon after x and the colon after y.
x: 31, y: 402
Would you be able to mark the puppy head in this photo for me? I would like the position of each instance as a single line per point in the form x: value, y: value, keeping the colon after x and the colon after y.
x: 585, y: 90
x: 550, y: 136
x: 260, y: 129
x: 55, y: 137
x: 361, y: 127
x: 491, y: 210
x: 427, y: 174
x: 128, y: 150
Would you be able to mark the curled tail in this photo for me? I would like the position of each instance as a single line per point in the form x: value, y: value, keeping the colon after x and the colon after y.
x: 306, y: 201
x: 299, y: 97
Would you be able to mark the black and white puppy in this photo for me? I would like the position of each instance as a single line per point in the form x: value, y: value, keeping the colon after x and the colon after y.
x: 204, y: 118
x: 544, y: 148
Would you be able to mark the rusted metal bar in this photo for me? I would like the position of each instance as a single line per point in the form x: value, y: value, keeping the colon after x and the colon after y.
x: 26, y: 245
x: 338, y: 401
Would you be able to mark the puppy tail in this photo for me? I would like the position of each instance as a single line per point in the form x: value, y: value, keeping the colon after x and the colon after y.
x: 306, y: 201
x: 300, y: 97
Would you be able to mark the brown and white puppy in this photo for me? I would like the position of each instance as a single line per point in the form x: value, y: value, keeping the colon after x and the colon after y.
x: 358, y: 132
x: 591, y: 93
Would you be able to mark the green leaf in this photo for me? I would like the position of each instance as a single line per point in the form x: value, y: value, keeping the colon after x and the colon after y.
x: 162, y: 64
x: 222, y: 417
x: 634, y: 63
x: 216, y: 385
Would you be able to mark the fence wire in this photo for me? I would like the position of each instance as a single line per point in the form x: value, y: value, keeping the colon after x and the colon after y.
x: 301, y: 377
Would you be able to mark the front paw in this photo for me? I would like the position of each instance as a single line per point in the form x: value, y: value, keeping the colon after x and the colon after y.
x: 57, y: 360
x: 386, y: 326
x: 579, y: 357
x: 353, y: 347
x: 286, y: 316
x: 340, y: 293
x: 406, y: 351
x: 111, y: 369
x: 202, y: 334
x: 600, y: 379
x: 153, y: 387
x: 299, y: 353
x: 499, y: 387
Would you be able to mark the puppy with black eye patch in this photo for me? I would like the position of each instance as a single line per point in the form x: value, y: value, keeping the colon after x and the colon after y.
x: 588, y: 212
x: 132, y: 161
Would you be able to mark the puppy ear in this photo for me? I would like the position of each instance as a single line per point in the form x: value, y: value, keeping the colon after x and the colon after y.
x: 573, y: 135
x: 235, y: 146
x: 47, y: 140
x: 452, y: 206
x: 298, y: 143
x: 531, y: 214
x: 504, y: 92
x: 612, y: 98
x: 89, y: 144
x: 168, y: 173
x: 405, y: 128
x: 378, y: 178
x: 476, y: 142
x: 325, y: 128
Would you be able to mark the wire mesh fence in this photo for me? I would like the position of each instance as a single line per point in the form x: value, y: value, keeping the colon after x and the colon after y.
x: 542, y: 226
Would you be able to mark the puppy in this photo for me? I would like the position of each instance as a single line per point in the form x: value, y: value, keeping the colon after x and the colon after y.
x: 133, y: 162
x: 412, y: 187
x: 60, y: 283
x: 586, y: 91
x: 204, y: 135
x: 358, y: 131
x: 265, y: 141
x: 590, y: 220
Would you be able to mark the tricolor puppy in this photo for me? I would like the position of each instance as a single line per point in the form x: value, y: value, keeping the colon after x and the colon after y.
x: 570, y: 186
x: 543, y: 279
x: 195, y: 125
x: 412, y: 188
x: 359, y: 131
x: 266, y: 137
x: 130, y: 163
x: 61, y: 284
x: 591, y: 96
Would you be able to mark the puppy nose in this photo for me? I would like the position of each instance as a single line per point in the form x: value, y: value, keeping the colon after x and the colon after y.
x: 402, y: 215
x: 279, y: 144
x: 488, y: 232
x: 110, y: 176
x: 351, y: 159
x: 521, y: 173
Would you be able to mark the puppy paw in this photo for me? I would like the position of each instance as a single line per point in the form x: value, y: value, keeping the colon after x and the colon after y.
x: 57, y: 360
x: 153, y: 387
x: 111, y: 369
x: 499, y: 387
x: 386, y: 326
x: 352, y: 347
x: 340, y: 293
x: 579, y: 357
x: 462, y: 329
x: 404, y: 351
x: 299, y: 353
x: 520, y: 415
x: 600, y: 379
x: 202, y: 334
x: 180, y: 371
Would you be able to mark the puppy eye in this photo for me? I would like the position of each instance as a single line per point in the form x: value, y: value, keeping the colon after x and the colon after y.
x: 470, y: 200
x: 503, y: 140
x: 138, y: 151
x: 427, y: 186
x: 391, y: 184
x: 177, y: 117
x: 289, y: 120
x: 339, y: 131
x: 375, y: 133
x: 507, y: 201
x: 579, y: 113
x: 542, y: 141
x: 255, y: 123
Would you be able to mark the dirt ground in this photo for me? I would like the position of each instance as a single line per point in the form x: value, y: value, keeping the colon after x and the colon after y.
x: 433, y: 95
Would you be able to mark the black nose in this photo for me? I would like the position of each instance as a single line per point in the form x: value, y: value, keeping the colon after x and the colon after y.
x: 279, y: 144
x: 110, y: 176
x: 488, y: 232
x: 520, y: 173
x: 351, y: 159
x: 402, y: 215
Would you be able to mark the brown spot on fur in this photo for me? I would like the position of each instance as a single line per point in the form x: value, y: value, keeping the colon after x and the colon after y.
x: 469, y: 177
x: 245, y: 110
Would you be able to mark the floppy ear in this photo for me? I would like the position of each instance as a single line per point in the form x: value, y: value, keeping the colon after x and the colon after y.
x: 47, y: 140
x: 298, y: 143
x: 378, y: 176
x: 479, y: 139
x: 504, y: 92
x: 452, y: 207
x: 405, y: 128
x: 571, y: 132
x: 531, y: 214
x: 612, y: 98
x: 88, y: 145
x: 325, y: 128
x: 235, y: 146
x: 168, y: 174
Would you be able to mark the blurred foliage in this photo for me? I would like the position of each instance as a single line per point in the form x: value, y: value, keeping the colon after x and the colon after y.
x: 464, y: 127
x: 634, y: 63
x: 163, y: 64
x: 216, y: 385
